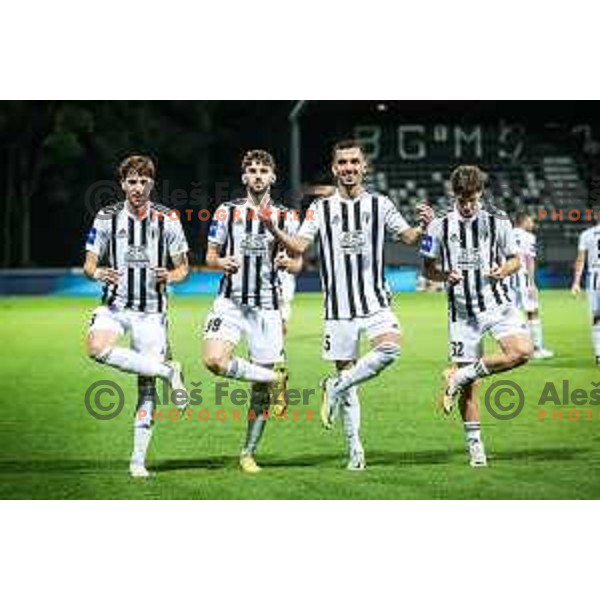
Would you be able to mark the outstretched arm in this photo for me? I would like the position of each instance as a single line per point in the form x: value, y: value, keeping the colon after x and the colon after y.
x: 578, y: 271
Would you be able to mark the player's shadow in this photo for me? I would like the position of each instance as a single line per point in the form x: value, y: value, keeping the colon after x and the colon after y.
x: 541, y: 454
x: 208, y: 463
x: 68, y: 466
x: 373, y: 458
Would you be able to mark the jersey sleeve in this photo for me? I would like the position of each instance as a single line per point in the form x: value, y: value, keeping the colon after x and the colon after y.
x: 217, y: 233
x: 532, y: 250
x: 506, y: 238
x: 310, y: 225
x: 431, y: 242
x: 395, y: 223
x: 176, y: 240
x: 99, y: 235
x: 292, y: 223
x: 582, y: 245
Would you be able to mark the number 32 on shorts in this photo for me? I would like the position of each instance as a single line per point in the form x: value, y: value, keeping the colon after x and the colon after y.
x: 457, y: 349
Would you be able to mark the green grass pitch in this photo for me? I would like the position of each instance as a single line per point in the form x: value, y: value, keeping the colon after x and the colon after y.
x: 50, y: 447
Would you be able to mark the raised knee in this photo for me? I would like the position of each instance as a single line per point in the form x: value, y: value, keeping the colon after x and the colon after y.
x: 215, y: 364
x: 97, y: 350
x: 519, y: 356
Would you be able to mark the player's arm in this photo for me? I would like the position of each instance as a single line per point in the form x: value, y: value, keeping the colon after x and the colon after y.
x: 214, y: 260
x: 291, y: 263
x: 93, y: 271
x: 179, y: 272
x: 177, y: 247
x: 295, y: 244
x: 432, y: 270
x: 396, y: 223
x: 508, y: 268
x: 578, y: 271
x: 508, y: 248
x: 95, y: 246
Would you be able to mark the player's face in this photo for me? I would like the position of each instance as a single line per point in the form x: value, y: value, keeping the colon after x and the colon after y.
x: 258, y: 177
x: 468, y: 206
x: 528, y: 224
x: 137, y: 188
x: 349, y: 167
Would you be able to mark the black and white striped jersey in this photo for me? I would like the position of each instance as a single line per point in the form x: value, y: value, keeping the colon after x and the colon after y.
x: 240, y: 232
x: 526, y: 250
x: 351, y: 235
x: 134, y: 245
x: 589, y: 242
x: 472, y: 247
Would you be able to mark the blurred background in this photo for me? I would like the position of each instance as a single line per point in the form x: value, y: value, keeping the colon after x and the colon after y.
x: 59, y: 160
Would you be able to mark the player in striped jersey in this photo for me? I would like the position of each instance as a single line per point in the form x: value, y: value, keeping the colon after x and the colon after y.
x: 473, y: 251
x: 134, y: 239
x: 248, y: 303
x: 351, y: 226
x: 523, y: 282
x: 588, y: 252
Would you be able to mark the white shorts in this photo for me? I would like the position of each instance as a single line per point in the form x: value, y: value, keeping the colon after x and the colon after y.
x: 288, y: 289
x: 341, y: 339
x: 261, y: 327
x: 594, y: 302
x: 525, y: 297
x: 286, y: 311
x: 465, y: 337
x: 148, y: 330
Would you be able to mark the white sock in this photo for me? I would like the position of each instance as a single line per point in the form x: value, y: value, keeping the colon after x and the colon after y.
x: 535, y: 329
x: 472, y: 431
x: 142, y: 431
x: 350, y: 410
x: 470, y: 373
x: 238, y: 368
x: 368, y: 366
x: 131, y: 361
x: 596, y: 339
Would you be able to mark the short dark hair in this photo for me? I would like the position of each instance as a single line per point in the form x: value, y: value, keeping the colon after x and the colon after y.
x: 521, y: 216
x: 142, y: 165
x: 345, y: 145
x: 467, y: 180
x: 259, y: 156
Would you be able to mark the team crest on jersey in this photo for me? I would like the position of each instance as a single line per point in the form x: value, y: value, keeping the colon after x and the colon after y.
x: 255, y: 244
x: 454, y: 238
x: 366, y: 217
x: 352, y: 242
x: 336, y: 220
x: 121, y: 233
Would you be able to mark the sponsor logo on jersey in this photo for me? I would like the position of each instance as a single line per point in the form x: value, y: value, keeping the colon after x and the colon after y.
x: 255, y: 244
x: 469, y: 258
x: 352, y: 242
x: 137, y: 257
